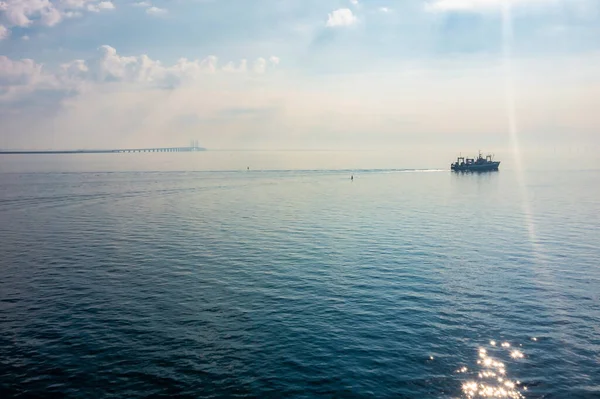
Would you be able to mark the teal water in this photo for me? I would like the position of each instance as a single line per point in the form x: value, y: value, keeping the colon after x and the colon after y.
x: 146, y: 277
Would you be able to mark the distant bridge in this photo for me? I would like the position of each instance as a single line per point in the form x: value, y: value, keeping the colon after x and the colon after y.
x: 192, y: 148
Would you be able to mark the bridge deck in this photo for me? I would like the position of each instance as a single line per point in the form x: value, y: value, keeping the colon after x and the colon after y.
x: 108, y: 151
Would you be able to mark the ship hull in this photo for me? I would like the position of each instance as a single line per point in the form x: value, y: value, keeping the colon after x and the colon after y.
x: 488, y: 167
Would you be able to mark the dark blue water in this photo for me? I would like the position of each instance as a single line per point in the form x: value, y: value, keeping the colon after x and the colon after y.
x: 300, y: 284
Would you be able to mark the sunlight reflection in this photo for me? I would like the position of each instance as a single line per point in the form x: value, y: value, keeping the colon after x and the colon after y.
x: 492, y: 381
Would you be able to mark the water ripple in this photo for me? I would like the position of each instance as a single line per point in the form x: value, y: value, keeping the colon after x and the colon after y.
x: 296, y: 284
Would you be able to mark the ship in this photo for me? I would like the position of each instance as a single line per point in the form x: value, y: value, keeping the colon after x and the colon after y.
x: 479, y: 164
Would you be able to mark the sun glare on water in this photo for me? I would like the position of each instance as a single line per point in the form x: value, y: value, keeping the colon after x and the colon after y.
x: 492, y: 380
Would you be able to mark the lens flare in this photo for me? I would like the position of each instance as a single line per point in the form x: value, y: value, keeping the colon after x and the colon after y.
x: 513, y: 130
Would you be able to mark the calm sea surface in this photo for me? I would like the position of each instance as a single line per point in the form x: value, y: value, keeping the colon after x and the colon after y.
x: 144, y: 277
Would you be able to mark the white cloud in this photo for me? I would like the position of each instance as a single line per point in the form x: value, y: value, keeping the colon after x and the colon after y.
x: 72, y: 14
x: 384, y: 9
x: 74, y: 69
x: 156, y: 11
x: 20, y: 72
x: 4, y: 32
x: 260, y: 65
x: 106, y: 5
x: 75, y: 4
x: 354, y: 2
x: 230, y: 67
x: 19, y: 78
x: 21, y: 12
x: 341, y: 17
x: 50, y: 17
x: 110, y: 67
x: 25, y: 13
x: 103, y: 5
x: 142, y: 4
x: 72, y: 77
x: 25, y: 37
x: 209, y: 64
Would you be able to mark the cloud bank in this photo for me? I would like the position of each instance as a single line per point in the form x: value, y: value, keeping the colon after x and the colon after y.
x: 21, y: 77
x: 26, y: 13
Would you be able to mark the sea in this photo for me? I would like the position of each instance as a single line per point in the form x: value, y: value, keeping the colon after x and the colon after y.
x: 275, y: 275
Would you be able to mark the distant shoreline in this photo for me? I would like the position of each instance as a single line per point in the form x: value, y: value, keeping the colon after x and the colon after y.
x: 108, y: 151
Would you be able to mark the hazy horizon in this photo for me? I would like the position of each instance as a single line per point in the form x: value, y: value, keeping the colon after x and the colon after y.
x: 306, y: 75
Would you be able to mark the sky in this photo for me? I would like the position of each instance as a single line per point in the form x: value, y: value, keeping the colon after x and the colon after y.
x: 299, y: 74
